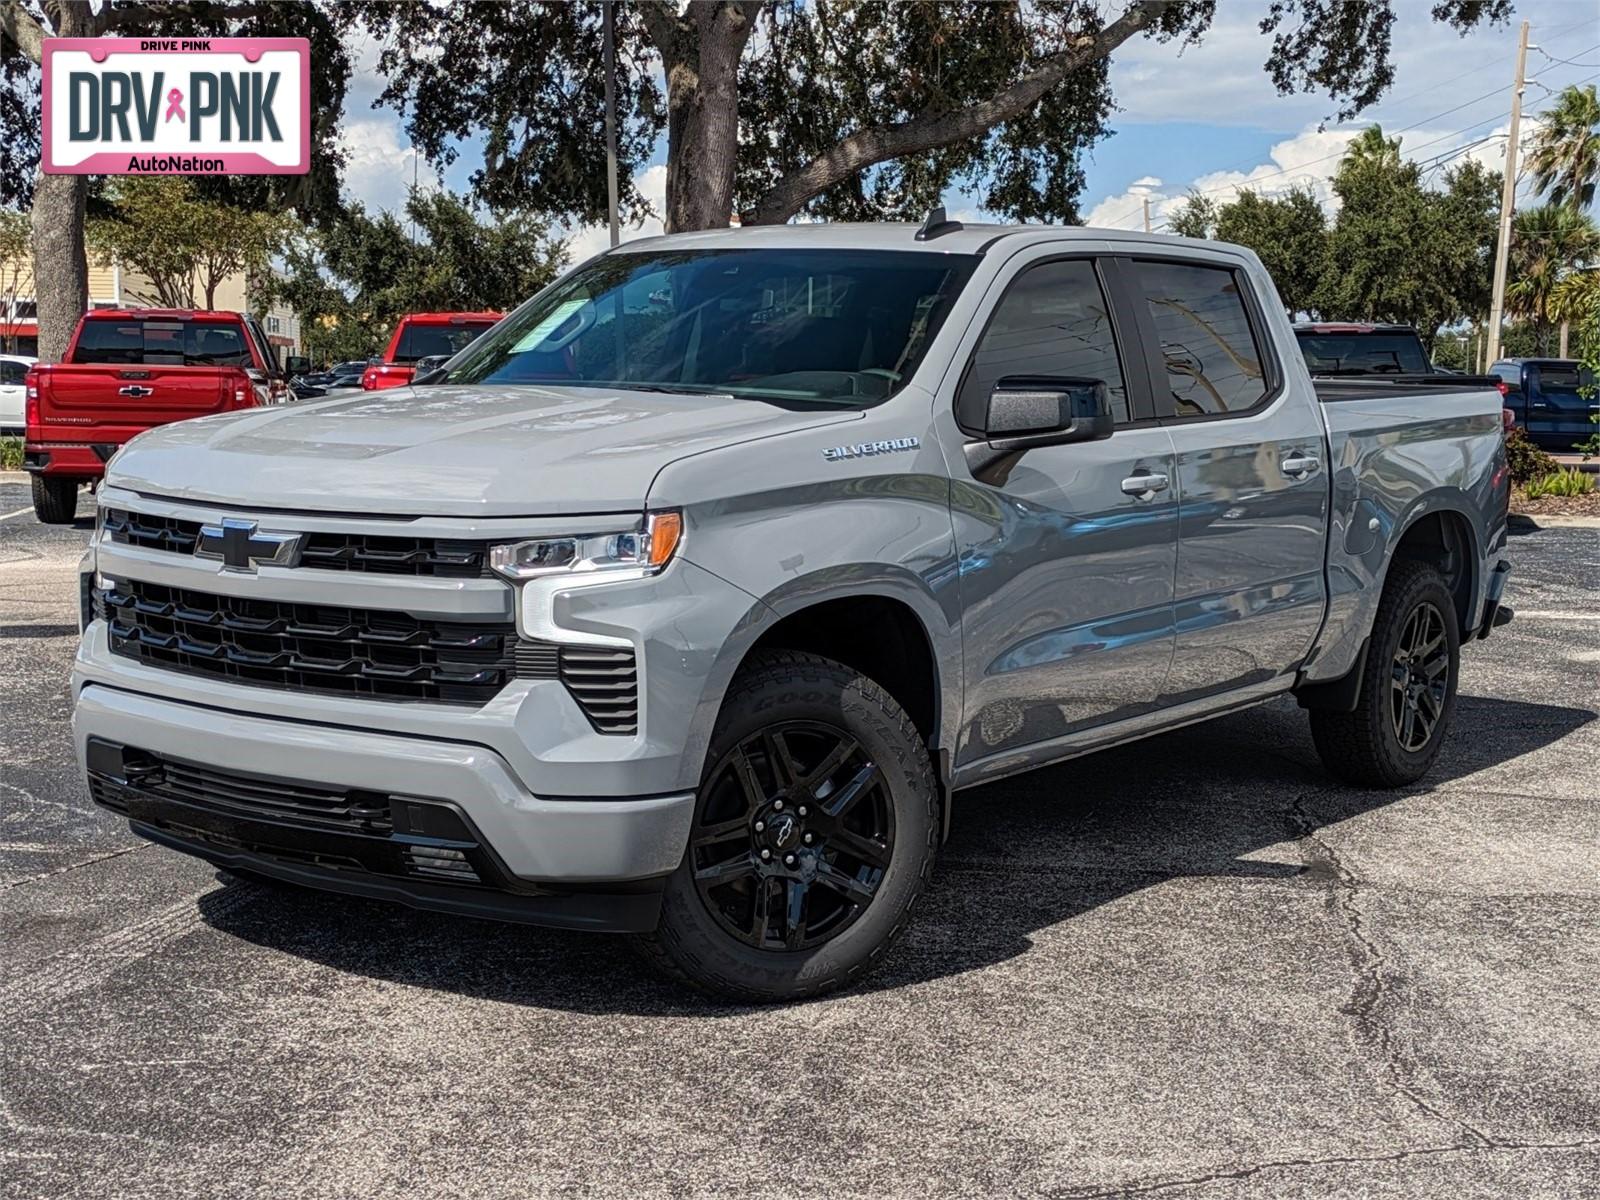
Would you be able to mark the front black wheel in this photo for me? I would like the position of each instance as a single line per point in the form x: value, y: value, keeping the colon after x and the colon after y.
x: 814, y: 831
x: 1408, y: 690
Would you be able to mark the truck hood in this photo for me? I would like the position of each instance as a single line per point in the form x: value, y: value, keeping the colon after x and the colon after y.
x: 449, y: 451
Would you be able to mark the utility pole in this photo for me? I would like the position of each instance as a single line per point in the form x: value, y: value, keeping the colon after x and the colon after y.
x: 1508, y: 203
x: 1147, y: 214
x: 610, y: 9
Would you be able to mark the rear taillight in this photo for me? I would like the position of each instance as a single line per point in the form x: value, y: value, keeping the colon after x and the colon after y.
x: 1504, y: 388
x: 30, y: 402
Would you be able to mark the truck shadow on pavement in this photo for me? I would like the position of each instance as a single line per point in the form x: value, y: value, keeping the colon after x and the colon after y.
x: 1023, y: 855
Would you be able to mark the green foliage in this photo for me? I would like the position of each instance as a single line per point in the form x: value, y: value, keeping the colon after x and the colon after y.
x: 1568, y: 482
x: 352, y: 278
x: 1565, y: 157
x: 812, y: 77
x: 1549, y: 243
x: 1525, y: 459
x: 1400, y: 251
x: 1397, y: 251
x: 10, y: 454
x: 161, y: 227
x: 16, y: 259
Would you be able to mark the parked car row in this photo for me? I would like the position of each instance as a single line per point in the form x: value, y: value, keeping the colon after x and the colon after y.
x: 1554, y: 400
x: 129, y: 370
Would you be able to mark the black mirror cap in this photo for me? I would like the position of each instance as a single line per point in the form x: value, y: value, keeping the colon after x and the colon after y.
x: 297, y: 364
x: 1048, y: 410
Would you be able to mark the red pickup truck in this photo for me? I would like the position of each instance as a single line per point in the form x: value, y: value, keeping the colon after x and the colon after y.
x: 424, y: 335
x: 128, y: 370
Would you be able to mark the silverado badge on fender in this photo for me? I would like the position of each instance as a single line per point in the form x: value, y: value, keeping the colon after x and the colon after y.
x: 867, y: 449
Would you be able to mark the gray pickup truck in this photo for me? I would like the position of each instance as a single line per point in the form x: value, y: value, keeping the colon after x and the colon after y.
x: 684, y: 601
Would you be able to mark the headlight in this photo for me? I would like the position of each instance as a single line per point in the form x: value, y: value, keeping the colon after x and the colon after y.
x: 644, y: 550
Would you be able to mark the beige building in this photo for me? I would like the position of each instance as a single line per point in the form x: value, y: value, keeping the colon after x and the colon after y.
x: 110, y: 286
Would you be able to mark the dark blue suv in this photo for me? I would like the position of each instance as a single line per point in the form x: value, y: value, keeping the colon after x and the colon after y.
x: 1547, y: 397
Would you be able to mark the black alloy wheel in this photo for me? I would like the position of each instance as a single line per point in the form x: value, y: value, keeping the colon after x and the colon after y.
x: 1420, y: 678
x: 795, y: 836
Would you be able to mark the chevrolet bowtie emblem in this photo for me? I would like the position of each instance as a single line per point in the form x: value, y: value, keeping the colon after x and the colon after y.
x: 242, y: 547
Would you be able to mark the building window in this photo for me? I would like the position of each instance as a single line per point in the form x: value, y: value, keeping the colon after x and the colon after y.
x: 25, y: 310
x: 274, y: 325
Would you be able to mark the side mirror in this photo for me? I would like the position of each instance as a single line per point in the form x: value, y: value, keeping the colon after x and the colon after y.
x: 297, y: 364
x: 1026, y: 411
x: 255, y: 374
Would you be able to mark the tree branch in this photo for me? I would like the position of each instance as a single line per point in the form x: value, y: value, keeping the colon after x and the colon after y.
x: 930, y: 130
x: 661, y: 23
x: 18, y: 24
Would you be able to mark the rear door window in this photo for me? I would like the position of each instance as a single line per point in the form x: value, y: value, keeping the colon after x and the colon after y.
x: 163, y: 343
x: 1213, y: 364
x: 12, y: 373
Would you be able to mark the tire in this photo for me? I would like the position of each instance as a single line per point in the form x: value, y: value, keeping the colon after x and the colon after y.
x: 816, y: 765
x: 1374, y: 746
x: 55, y: 501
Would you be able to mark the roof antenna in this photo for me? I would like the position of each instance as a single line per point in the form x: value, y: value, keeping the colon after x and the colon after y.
x: 936, y: 224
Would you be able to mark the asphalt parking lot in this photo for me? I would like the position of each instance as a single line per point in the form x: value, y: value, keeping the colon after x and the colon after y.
x: 1193, y: 967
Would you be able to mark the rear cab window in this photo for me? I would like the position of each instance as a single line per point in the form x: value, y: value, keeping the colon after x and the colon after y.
x: 1561, y: 380
x: 154, y: 342
x: 1213, y: 361
x: 1363, y: 353
x: 419, y: 340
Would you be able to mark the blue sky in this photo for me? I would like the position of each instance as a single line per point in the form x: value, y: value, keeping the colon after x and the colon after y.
x: 1203, y: 117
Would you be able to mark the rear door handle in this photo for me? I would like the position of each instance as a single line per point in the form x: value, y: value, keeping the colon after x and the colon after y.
x: 1297, y: 465
x: 1144, y: 486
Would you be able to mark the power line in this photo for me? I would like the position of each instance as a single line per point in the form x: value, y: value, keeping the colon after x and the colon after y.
x: 1567, y: 62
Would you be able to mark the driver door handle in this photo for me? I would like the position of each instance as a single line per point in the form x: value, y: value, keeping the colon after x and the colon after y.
x: 1145, y: 485
x: 1297, y: 465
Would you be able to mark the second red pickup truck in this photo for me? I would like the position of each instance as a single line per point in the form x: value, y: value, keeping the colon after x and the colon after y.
x: 129, y: 370
x: 424, y: 335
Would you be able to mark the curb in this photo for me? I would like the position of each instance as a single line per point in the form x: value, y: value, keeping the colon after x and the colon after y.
x: 1550, y: 521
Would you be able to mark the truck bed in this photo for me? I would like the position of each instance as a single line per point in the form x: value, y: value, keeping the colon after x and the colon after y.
x: 1331, y: 388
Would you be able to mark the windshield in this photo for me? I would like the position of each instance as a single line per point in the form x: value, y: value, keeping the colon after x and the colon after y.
x: 842, y: 327
x: 1355, y: 353
x: 425, y: 341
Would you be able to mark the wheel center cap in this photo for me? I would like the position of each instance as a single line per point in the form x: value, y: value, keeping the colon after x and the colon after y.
x: 783, y: 830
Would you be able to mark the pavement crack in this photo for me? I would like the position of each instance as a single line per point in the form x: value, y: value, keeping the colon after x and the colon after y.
x: 1377, y: 987
x: 77, y: 866
x: 1333, y: 1160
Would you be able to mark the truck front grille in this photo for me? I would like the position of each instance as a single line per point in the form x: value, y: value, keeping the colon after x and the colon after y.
x: 368, y: 653
x: 371, y: 553
x: 245, y: 795
x: 312, y: 648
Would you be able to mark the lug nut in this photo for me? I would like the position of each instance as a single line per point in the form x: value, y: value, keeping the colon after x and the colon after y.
x: 777, y: 806
x: 808, y: 839
x: 766, y: 854
x: 788, y: 860
x: 801, y: 810
x: 761, y: 826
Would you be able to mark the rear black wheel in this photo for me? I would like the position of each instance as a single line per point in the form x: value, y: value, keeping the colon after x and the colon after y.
x: 55, y: 501
x: 1408, y: 689
x: 814, y: 832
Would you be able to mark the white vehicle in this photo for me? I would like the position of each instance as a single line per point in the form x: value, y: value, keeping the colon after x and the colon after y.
x: 13, y: 370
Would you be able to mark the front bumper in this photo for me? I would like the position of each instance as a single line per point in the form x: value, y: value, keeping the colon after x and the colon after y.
x: 531, y: 840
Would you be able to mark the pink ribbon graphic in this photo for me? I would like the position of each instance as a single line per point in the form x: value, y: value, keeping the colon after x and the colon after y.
x: 175, y: 105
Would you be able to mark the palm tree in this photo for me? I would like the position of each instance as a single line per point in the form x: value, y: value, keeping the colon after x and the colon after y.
x: 1565, y: 158
x: 1548, y: 243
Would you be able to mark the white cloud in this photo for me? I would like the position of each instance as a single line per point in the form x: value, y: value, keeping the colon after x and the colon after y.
x: 1307, y: 160
x: 379, y: 169
x: 588, y: 240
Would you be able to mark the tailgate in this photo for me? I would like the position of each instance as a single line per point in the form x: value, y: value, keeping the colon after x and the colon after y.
x: 111, y: 398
